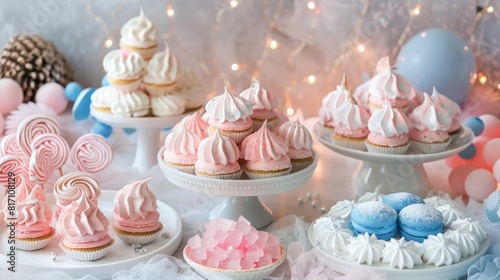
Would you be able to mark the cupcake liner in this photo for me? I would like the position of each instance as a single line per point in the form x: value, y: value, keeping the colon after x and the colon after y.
x: 124, y: 85
x: 138, y: 239
x: 236, y: 136
x: 230, y: 176
x: 272, y: 123
x: 455, y: 134
x: 430, y: 148
x: 299, y: 165
x: 350, y: 144
x: 267, y: 174
x: 159, y: 90
x: 146, y: 53
x: 399, y: 150
x: 86, y: 256
x: 183, y: 168
x: 32, y: 245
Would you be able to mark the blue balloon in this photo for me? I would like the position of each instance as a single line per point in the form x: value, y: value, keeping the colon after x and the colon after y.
x: 468, y: 153
x: 81, y: 108
x: 104, y: 81
x: 476, y: 125
x: 129, y: 131
x: 438, y: 58
x: 102, y: 129
x: 72, y: 90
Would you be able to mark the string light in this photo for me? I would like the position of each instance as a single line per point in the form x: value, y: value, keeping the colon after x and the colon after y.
x: 170, y: 11
x: 490, y: 9
x: 466, y: 48
x: 311, y: 79
x: 108, y: 43
x: 416, y: 11
x: 423, y: 34
x: 311, y: 5
x: 498, y: 86
x: 233, y: 4
x: 290, y: 111
x: 273, y: 44
x: 361, y: 48
x: 483, y: 80
x: 235, y: 67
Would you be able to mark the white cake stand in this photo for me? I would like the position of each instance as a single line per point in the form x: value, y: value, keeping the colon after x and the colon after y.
x: 392, y: 173
x: 148, y: 134
x: 242, y: 194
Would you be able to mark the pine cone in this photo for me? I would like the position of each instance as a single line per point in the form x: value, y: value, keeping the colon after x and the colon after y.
x: 33, y: 61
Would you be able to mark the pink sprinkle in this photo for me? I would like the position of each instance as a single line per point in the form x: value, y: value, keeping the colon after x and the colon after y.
x: 211, y: 262
x: 124, y: 53
x: 219, y: 254
x: 246, y: 264
x: 220, y: 236
x: 194, y: 242
x: 198, y: 254
x: 265, y: 261
x: 234, y: 265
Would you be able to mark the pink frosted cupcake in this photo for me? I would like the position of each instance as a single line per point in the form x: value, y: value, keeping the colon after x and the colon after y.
x: 452, y: 108
x: 264, y: 106
x: 430, y: 127
x: 136, y: 218
x: 351, y: 125
x: 265, y: 154
x: 231, y: 115
x: 33, y: 230
x: 84, y: 230
x: 71, y: 186
x: 330, y: 103
x: 218, y: 158
x: 389, y: 130
x: 388, y: 85
x: 181, y: 147
x: 195, y: 124
x: 299, y: 142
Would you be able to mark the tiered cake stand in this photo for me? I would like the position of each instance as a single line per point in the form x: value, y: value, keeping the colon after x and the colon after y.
x: 392, y: 173
x: 242, y: 195
x: 148, y: 134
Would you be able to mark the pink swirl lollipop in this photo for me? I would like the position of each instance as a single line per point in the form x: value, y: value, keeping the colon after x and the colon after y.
x: 32, y: 127
x: 91, y: 153
x: 40, y: 166
x: 56, y: 144
x: 13, y: 166
x: 8, y: 146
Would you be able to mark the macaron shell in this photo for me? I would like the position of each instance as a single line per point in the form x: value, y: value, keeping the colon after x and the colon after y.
x: 400, y: 200
x: 384, y: 233
x: 417, y: 221
x: 373, y: 214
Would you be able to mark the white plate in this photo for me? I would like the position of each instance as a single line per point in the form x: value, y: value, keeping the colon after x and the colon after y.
x: 457, y: 145
x: 343, y: 265
x: 243, y: 187
x: 120, y: 257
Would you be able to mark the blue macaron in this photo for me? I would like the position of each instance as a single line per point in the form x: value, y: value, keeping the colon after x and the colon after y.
x: 374, y: 217
x: 400, y: 200
x: 418, y: 221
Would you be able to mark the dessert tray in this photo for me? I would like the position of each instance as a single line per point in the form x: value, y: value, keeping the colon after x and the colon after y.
x: 148, y: 134
x: 340, y: 262
x: 242, y: 194
x: 393, y: 173
x: 121, y: 255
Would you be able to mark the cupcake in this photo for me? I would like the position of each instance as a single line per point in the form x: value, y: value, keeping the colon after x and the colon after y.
x: 388, y: 85
x: 189, y: 87
x: 139, y: 34
x: 350, y: 121
x: 231, y: 115
x: 331, y: 102
x: 452, y: 108
x: 181, y: 147
x: 124, y: 69
x: 84, y: 230
x: 33, y: 230
x: 265, y: 154
x: 195, y: 124
x: 133, y: 103
x: 326, y: 118
x: 167, y: 105
x: 362, y: 95
x: 389, y: 130
x: 162, y: 73
x: 70, y: 187
x: 299, y: 142
x: 218, y: 158
x: 264, y: 106
x: 430, y: 127
x: 136, y: 218
x: 102, y: 98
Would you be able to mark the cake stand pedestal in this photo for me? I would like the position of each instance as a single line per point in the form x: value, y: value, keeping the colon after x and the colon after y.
x: 148, y: 131
x: 392, y: 173
x: 242, y: 195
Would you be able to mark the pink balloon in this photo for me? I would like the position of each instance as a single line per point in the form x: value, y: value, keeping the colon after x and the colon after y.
x: 2, y: 124
x: 480, y: 184
x: 491, y: 151
x: 478, y: 160
x: 496, y: 170
x: 491, y: 126
x: 454, y: 161
x: 11, y: 95
x: 52, y: 96
x: 457, y: 177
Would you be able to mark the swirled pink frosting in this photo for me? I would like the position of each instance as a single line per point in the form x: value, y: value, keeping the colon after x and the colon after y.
x: 450, y: 106
x: 297, y: 138
x: 83, y: 225
x: 195, y: 124
x: 430, y: 116
x: 325, y: 117
x: 261, y: 99
x: 335, y: 98
x: 351, y: 120
x: 388, y: 127
x: 218, y: 149
x: 72, y: 186
x: 181, y: 146
x: 33, y: 216
x: 386, y: 84
x: 135, y: 208
x: 228, y: 108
